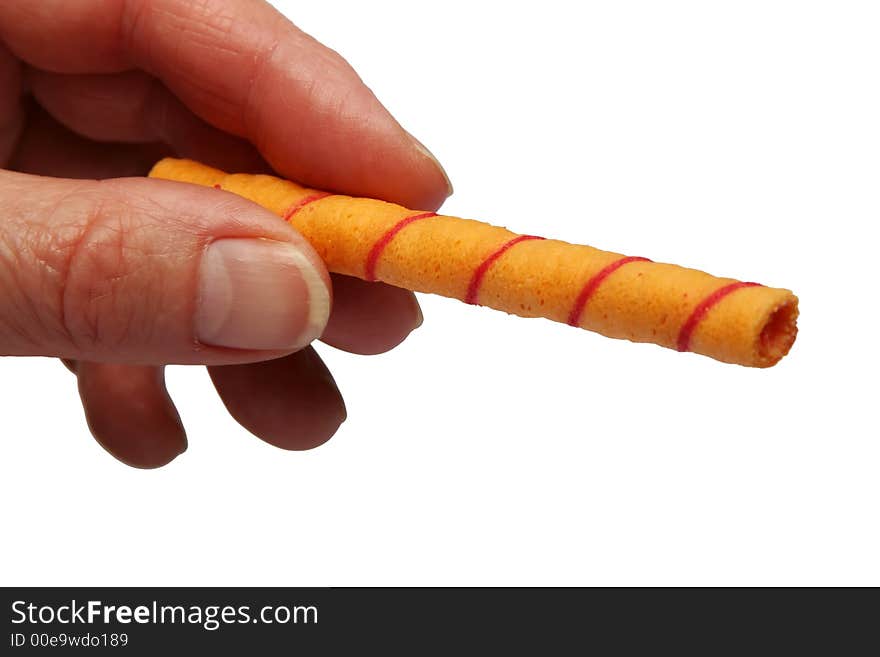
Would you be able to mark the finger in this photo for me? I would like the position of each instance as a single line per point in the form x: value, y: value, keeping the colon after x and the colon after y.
x: 11, y: 114
x: 145, y: 271
x: 130, y: 413
x: 134, y: 107
x: 370, y: 318
x: 47, y: 148
x: 245, y: 69
x: 127, y: 407
x: 292, y: 402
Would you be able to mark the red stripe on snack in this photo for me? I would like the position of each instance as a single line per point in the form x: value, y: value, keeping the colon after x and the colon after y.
x: 385, y: 240
x: 590, y: 287
x: 217, y: 186
x: 473, y: 290
x: 690, y: 325
x: 303, y: 202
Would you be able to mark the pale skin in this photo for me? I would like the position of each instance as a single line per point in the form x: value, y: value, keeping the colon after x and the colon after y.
x: 104, y: 269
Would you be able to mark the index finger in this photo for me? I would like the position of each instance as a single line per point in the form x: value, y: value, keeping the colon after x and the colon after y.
x: 243, y: 67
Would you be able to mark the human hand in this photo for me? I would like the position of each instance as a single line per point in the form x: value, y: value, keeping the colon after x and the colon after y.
x: 119, y: 277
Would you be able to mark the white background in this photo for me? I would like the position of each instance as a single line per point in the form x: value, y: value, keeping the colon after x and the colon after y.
x: 740, y: 138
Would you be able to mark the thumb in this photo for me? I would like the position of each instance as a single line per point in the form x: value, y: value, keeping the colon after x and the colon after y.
x: 149, y: 271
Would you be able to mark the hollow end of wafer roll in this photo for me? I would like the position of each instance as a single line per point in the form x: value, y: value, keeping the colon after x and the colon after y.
x: 778, y: 333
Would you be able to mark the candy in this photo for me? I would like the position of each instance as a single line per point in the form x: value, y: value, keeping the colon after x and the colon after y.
x: 615, y: 295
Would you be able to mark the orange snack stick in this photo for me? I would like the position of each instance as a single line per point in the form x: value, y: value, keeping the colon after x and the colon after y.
x: 529, y: 276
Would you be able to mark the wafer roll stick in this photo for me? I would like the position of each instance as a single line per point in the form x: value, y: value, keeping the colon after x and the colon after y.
x: 612, y: 294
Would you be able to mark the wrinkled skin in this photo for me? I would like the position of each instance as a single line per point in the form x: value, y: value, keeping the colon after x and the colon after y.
x: 96, y: 263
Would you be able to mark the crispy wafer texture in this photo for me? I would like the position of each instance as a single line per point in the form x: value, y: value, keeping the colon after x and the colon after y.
x: 615, y: 295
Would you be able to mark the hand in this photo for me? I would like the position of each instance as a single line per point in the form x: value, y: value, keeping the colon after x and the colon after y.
x: 121, y: 276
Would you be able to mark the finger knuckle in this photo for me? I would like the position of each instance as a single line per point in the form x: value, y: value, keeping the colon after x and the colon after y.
x: 99, y: 257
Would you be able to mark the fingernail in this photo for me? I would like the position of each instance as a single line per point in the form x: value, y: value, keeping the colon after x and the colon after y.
x: 420, y: 318
x: 259, y: 294
x: 424, y: 151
